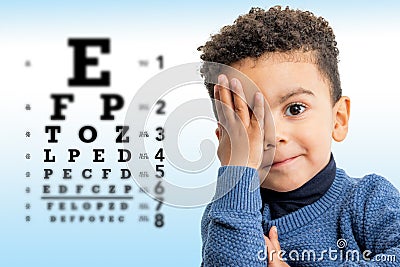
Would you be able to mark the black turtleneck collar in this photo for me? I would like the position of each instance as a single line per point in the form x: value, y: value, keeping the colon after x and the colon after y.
x: 282, y: 203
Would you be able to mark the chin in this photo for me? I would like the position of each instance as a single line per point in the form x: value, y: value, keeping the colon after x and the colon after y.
x: 277, y: 184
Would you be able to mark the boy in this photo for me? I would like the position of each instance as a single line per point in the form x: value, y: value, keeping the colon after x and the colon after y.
x: 306, y: 212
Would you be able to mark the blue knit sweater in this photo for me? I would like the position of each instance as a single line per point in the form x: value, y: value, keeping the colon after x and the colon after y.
x: 356, y: 223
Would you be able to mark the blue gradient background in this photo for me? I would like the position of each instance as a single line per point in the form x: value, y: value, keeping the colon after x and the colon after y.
x: 368, y: 38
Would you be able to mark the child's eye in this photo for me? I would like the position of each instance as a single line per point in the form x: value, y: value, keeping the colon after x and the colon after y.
x: 295, y: 109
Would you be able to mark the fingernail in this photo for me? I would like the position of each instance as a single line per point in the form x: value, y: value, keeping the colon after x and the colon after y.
x: 233, y: 82
x: 220, y: 79
x: 259, y: 96
x: 276, y: 229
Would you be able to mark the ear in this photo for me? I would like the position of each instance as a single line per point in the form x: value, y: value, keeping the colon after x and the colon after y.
x: 341, y: 114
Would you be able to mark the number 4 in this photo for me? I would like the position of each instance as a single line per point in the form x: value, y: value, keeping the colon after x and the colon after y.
x: 159, y: 155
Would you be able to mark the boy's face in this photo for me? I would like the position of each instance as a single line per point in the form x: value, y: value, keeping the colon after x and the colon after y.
x: 305, y: 120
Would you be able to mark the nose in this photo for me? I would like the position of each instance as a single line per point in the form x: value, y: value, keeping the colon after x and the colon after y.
x: 280, y: 132
x: 274, y: 133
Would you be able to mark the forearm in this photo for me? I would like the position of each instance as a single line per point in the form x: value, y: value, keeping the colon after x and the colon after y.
x: 234, y: 230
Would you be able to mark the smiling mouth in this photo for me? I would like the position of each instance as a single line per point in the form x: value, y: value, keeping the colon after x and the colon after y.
x: 283, y: 162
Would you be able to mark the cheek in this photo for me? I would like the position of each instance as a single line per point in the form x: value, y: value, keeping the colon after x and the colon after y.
x: 318, y: 132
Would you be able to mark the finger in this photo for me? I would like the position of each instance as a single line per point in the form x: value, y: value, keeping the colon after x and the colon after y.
x: 239, y: 101
x: 220, y: 113
x: 225, y: 97
x: 257, y: 118
x: 271, y: 250
x: 273, y: 237
x: 218, y: 105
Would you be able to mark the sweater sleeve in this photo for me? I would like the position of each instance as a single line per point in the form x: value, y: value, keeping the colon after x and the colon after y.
x: 232, y: 231
x: 377, y: 223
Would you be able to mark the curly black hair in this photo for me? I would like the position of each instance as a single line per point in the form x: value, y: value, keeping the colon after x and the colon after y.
x: 276, y: 30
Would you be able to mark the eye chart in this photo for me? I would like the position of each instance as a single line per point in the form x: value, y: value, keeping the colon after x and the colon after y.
x: 108, y: 136
x: 97, y: 159
x: 97, y: 156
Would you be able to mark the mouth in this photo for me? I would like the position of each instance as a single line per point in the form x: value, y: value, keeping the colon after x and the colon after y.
x: 280, y: 163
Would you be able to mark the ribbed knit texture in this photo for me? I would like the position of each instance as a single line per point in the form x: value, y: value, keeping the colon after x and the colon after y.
x: 354, y: 215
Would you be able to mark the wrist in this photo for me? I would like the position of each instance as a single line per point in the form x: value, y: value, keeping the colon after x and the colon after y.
x: 237, y: 189
x: 240, y: 164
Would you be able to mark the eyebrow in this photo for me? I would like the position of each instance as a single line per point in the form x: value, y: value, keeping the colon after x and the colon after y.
x: 294, y: 92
